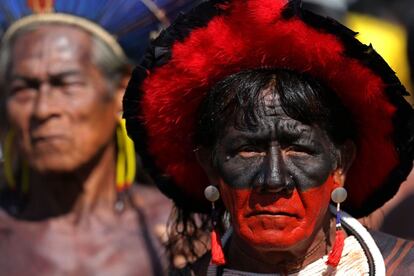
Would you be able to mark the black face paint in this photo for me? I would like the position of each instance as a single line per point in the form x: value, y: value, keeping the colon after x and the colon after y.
x: 278, y: 151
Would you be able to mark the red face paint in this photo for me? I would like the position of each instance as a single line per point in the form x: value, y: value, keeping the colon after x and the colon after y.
x: 275, y: 178
x: 271, y: 221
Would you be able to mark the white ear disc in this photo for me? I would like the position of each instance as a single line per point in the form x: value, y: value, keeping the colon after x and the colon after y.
x: 212, y: 193
x: 339, y: 195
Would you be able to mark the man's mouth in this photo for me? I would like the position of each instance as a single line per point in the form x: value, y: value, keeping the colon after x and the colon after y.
x: 271, y: 212
x: 46, y: 138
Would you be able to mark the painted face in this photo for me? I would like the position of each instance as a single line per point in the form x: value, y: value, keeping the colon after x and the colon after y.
x: 57, y: 100
x: 276, y: 179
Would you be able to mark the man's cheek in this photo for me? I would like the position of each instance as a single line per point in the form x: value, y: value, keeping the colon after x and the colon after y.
x: 313, y: 171
x: 235, y: 200
x: 239, y: 175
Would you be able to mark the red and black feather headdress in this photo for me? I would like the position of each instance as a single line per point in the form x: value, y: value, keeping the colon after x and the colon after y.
x: 219, y: 38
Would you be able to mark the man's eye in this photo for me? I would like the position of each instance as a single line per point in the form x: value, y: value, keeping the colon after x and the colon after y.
x: 301, y: 149
x: 22, y: 94
x: 18, y: 86
x: 251, y: 153
x: 67, y: 82
x: 16, y: 89
x: 73, y: 82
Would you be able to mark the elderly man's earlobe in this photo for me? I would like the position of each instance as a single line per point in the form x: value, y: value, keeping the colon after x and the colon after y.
x: 347, y: 153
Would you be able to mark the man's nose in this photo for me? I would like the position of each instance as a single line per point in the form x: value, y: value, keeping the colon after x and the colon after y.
x: 44, y: 105
x: 275, y: 171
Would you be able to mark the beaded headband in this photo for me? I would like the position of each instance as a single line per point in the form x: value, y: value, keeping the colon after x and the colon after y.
x: 67, y: 19
x: 127, y: 26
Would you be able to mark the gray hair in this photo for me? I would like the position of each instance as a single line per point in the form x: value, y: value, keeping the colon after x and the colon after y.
x: 112, y: 66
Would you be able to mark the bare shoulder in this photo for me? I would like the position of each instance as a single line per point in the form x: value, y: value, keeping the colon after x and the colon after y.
x: 7, y: 225
x: 155, y: 204
x: 154, y: 207
x: 12, y: 228
x: 398, y: 253
x: 395, y: 216
x: 149, y: 193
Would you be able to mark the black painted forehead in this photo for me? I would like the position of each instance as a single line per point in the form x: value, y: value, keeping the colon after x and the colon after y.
x: 242, y: 99
x: 252, y: 113
x: 267, y: 115
x: 269, y: 102
x: 265, y: 104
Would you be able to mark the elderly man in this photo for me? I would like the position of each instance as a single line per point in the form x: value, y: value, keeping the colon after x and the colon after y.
x: 68, y: 208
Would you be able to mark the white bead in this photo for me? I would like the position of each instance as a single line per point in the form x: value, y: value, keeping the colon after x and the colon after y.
x: 339, y: 195
x: 212, y: 193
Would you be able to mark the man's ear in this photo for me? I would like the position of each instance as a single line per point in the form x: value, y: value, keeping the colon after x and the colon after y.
x: 120, y: 90
x: 204, y: 158
x: 347, y: 153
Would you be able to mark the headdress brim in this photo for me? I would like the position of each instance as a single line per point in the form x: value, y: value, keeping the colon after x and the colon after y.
x: 220, y: 38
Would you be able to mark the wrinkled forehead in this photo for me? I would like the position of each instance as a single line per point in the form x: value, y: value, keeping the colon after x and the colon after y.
x: 57, y: 41
x: 264, y: 109
x: 269, y: 104
x: 266, y: 115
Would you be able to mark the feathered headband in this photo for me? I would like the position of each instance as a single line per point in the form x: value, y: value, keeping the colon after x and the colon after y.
x: 220, y: 38
x: 125, y: 25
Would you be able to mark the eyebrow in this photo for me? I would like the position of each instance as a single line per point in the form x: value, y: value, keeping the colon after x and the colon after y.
x: 51, y: 76
x: 66, y: 74
x: 22, y: 77
x: 293, y: 130
x: 31, y: 82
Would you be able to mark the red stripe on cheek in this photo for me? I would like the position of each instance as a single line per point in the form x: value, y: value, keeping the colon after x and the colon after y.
x: 274, y: 221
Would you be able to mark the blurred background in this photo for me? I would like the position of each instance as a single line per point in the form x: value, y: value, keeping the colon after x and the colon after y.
x: 387, y: 25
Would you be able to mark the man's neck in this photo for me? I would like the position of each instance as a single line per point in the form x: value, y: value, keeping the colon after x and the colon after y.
x: 81, y: 192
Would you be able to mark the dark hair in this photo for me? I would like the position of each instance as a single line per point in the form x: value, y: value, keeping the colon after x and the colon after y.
x: 301, y: 97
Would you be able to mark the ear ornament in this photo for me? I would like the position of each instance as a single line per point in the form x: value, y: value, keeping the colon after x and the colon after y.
x: 212, y: 194
x: 338, y: 196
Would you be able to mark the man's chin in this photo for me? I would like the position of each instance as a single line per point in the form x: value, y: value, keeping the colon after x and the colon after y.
x: 273, y: 240
x: 46, y: 167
